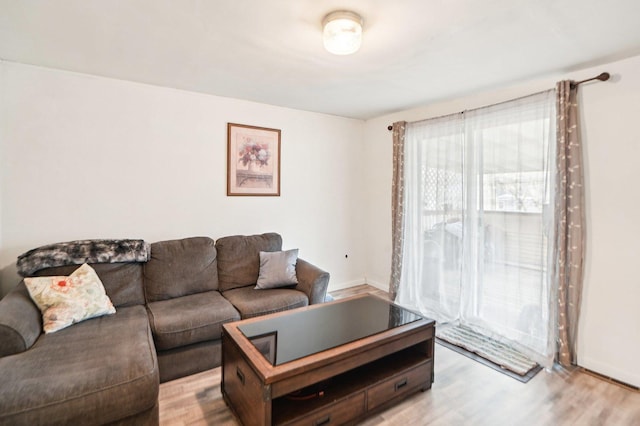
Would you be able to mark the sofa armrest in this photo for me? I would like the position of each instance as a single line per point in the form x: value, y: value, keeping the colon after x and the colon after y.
x: 312, y: 280
x: 20, y: 321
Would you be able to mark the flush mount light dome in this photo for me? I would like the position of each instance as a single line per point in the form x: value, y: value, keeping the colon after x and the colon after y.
x: 342, y: 32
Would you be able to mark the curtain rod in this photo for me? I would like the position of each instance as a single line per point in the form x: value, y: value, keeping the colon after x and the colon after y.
x: 602, y: 77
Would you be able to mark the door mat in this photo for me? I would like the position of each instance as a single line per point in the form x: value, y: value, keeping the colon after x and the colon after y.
x: 489, y: 352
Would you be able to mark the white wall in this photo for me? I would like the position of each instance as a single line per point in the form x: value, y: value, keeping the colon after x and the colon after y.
x: 91, y: 157
x: 609, y: 339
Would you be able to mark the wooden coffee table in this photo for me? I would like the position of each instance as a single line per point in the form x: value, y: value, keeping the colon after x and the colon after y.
x: 332, y: 363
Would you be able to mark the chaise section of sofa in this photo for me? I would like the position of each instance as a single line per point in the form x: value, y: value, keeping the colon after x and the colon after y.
x: 99, y: 371
x: 95, y: 372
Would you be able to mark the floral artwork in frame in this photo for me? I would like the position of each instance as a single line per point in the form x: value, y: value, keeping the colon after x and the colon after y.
x: 253, y: 160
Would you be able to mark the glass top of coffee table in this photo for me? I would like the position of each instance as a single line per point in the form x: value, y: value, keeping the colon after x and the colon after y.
x: 295, y: 335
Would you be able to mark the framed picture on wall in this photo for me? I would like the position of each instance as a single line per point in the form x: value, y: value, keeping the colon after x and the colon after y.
x: 253, y: 160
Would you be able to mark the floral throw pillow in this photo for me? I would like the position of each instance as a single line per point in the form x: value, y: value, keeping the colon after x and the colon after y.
x: 64, y: 301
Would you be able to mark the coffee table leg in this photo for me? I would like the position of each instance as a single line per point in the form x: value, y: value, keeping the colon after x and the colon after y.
x: 242, y: 389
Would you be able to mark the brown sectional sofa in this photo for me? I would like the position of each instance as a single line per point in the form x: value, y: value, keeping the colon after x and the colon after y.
x: 168, y: 323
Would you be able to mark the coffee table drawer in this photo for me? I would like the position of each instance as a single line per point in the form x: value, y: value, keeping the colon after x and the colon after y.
x: 400, y: 384
x: 335, y: 414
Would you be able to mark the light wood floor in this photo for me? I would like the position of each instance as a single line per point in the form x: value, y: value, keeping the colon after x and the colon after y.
x: 464, y: 393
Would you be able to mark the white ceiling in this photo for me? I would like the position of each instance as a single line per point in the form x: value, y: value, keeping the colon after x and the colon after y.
x: 414, y: 52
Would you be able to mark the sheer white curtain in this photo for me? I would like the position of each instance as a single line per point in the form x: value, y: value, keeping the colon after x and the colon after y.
x: 478, y: 215
x: 433, y: 209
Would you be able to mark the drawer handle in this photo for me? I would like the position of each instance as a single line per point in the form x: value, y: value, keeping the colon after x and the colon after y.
x: 402, y: 383
x: 323, y: 421
x: 240, y: 375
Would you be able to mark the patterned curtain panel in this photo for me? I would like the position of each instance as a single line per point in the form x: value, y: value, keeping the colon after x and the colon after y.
x: 570, y: 221
x: 397, y: 208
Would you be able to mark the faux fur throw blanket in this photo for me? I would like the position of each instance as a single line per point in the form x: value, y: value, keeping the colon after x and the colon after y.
x: 79, y: 252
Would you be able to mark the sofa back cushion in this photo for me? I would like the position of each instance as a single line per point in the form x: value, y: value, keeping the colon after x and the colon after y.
x: 122, y: 281
x: 239, y: 258
x: 180, y: 267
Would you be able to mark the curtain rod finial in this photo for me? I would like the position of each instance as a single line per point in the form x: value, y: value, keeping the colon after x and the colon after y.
x: 602, y: 77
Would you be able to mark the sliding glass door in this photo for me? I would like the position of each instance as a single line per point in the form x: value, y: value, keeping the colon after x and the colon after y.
x: 478, y: 217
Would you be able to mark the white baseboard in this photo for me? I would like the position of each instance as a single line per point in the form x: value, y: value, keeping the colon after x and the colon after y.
x: 376, y: 284
x: 342, y: 286
x: 609, y: 371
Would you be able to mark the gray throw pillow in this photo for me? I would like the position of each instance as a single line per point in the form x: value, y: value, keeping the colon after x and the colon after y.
x: 277, y: 269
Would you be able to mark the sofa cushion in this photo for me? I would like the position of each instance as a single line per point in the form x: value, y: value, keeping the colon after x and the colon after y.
x: 189, y: 319
x: 187, y: 360
x: 180, y: 267
x: 99, y: 371
x: 277, y: 269
x: 122, y: 281
x: 252, y: 303
x: 239, y: 258
x: 65, y: 301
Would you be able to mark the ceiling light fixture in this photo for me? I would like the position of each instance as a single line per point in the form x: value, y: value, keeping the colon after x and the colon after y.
x: 342, y: 32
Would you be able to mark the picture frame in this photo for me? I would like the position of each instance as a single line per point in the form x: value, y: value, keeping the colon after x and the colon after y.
x: 253, y: 160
